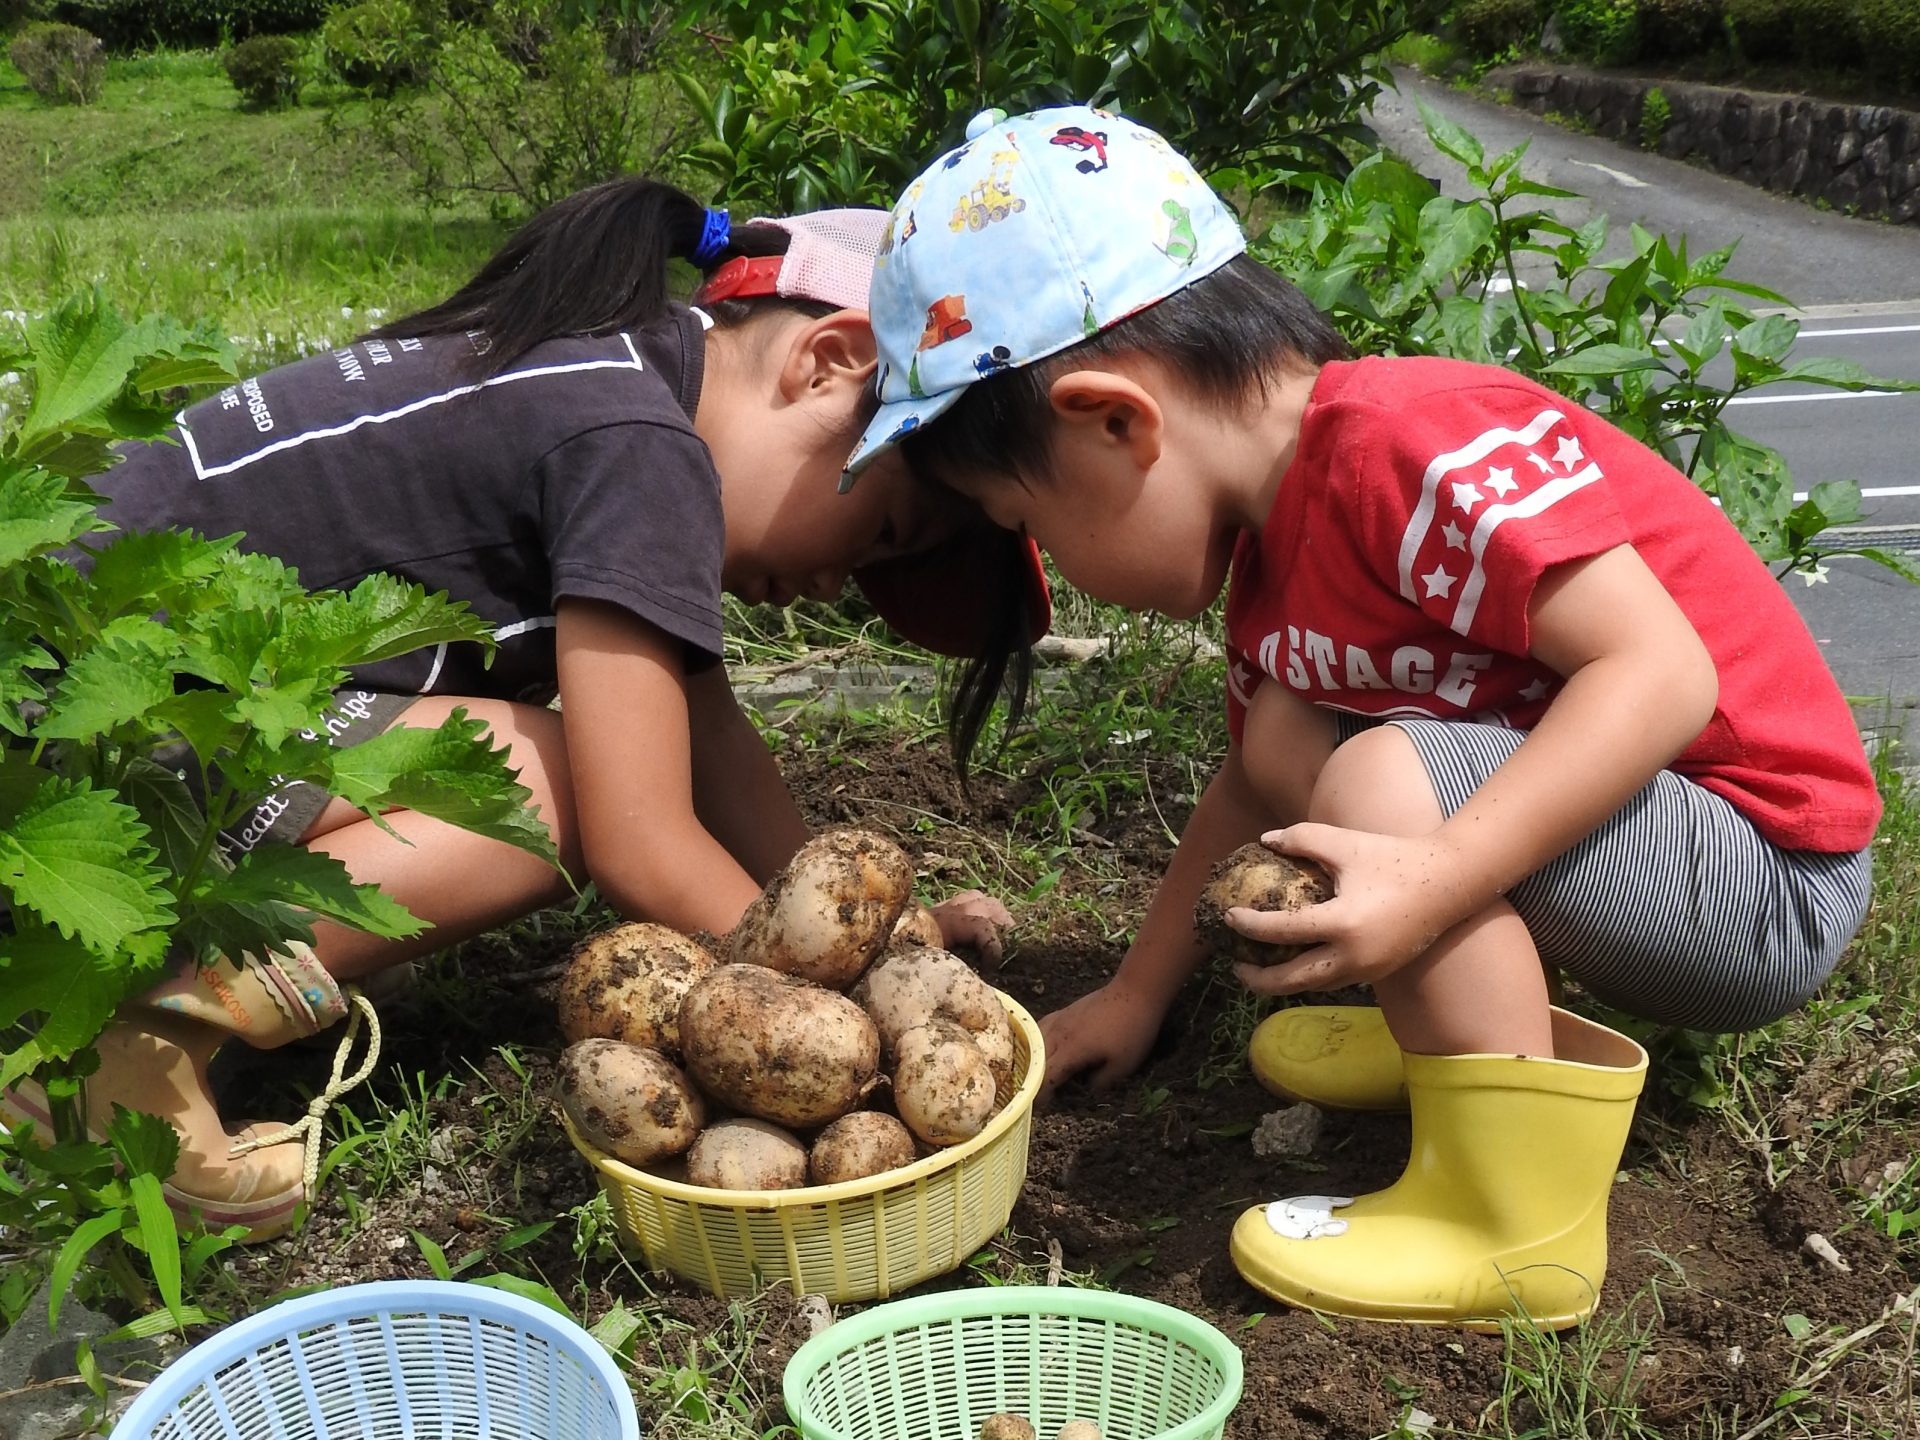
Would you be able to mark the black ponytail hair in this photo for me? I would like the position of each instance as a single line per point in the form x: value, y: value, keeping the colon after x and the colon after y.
x: 1227, y: 336
x: 1003, y: 666
x: 590, y: 264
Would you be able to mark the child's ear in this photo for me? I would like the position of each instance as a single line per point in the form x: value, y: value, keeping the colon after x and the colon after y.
x: 1110, y: 409
x: 835, y: 351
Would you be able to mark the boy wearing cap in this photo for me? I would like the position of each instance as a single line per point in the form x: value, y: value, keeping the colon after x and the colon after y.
x: 1509, y: 676
x: 589, y: 467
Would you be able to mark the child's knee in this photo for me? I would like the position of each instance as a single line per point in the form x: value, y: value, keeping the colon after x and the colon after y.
x: 1375, y: 781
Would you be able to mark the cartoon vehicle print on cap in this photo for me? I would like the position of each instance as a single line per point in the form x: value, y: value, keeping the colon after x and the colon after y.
x: 992, y: 362
x: 946, y: 320
x: 992, y: 199
x: 1094, y: 142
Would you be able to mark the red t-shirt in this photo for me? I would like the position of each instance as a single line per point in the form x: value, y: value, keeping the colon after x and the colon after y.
x: 1428, y: 498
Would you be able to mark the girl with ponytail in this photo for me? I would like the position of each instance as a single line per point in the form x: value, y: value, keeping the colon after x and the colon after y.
x: 589, y: 465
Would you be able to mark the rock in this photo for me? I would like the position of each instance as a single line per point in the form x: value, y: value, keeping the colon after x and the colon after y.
x: 32, y: 1353
x: 1876, y: 158
x: 1288, y: 1134
x: 1553, y: 39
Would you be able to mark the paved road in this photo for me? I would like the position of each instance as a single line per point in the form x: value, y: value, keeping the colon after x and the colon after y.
x: 1860, y: 283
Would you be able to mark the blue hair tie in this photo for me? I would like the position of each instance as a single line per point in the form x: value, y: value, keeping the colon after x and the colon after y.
x: 714, y: 235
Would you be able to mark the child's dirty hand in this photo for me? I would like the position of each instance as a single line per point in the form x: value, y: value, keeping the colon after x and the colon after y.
x: 1107, y: 1032
x: 973, y: 919
x: 1394, y: 896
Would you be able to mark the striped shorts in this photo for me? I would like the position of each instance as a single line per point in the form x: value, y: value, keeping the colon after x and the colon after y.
x: 1676, y: 909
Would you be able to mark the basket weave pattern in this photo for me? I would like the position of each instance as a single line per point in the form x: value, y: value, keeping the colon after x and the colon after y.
x: 935, y: 1367
x: 862, y: 1240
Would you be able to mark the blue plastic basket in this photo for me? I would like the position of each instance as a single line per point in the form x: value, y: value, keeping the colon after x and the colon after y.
x: 394, y: 1360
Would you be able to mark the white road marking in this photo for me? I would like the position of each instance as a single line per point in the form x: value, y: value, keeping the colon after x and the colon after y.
x: 1613, y: 174
x: 1868, y: 330
x: 1833, y: 395
x: 1879, y: 492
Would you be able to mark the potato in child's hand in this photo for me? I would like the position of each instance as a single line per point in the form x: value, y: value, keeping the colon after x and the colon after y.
x: 1254, y: 878
x: 1006, y: 1427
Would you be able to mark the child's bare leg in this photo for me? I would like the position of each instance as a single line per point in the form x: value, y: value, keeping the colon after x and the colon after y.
x: 1478, y: 989
x: 1283, y: 747
x: 460, y: 883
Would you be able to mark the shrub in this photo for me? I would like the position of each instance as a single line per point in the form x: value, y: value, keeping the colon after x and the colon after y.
x: 1799, y: 32
x: 265, y: 70
x: 1486, y: 27
x: 1678, y: 28
x: 377, y: 46
x: 1890, y: 35
x: 138, y: 24
x: 61, y: 63
x: 1605, y: 31
x: 1656, y: 113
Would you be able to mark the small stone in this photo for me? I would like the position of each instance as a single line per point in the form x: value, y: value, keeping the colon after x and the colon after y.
x: 1288, y: 1134
x: 1821, y: 1248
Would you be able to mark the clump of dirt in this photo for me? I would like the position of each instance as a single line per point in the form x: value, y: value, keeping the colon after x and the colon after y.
x: 1709, y: 1282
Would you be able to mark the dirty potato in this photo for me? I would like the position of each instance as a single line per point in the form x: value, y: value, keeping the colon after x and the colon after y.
x: 943, y: 1086
x: 627, y: 984
x: 830, y: 912
x: 630, y: 1102
x: 1078, y: 1430
x: 858, y: 1145
x: 1255, y: 878
x: 1006, y: 1427
x: 909, y: 987
x: 918, y: 925
x: 777, y: 1048
x: 747, y: 1155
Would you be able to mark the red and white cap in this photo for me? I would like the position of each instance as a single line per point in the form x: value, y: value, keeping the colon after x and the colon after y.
x: 942, y: 599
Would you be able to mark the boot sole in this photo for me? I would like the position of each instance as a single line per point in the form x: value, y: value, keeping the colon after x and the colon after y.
x: 264, y: 1218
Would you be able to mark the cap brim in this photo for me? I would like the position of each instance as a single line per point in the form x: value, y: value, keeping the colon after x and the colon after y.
x: 945, y: 599
x: 895, y: 420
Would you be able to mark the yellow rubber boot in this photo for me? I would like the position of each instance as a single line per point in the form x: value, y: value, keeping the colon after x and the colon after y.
x: 1342, y: 1057
x: 1502, y: 1209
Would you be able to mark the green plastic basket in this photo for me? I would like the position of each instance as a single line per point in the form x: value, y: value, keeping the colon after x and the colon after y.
x: 936, y: 1366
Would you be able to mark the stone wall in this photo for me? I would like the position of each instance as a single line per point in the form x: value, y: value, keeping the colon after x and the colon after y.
x: 1864, y: 158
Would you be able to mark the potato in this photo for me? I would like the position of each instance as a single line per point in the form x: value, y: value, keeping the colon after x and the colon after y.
x: 631, y: 1103
x: 1007, y: 1427
x: 858, y: 1145
x: 830, y: 912
x: 1078, y: 1430
x: 747, y: 1155
x: 777, y: 1048
x: 943, y: 1086
x: 627, y: 984
x: 918, y: 925
x: 909, y: 987
x: 1255, y: 878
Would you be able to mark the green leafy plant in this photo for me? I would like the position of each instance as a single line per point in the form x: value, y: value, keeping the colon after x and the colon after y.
x: 1605, y: 31
x: 510, y: 102
x: 1656, y: 113
x: 829, y: 104
x: 162, y: 651
x: 377, y: 46
x: 1890, y: 37
x: 1488, y: 27
x: 265, y: 70
x: 61, y: 63
x: 1405, y: 270
x: 1678, y: 28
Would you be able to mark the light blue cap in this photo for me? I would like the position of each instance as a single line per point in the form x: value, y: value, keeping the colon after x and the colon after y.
x: 1037, y: 232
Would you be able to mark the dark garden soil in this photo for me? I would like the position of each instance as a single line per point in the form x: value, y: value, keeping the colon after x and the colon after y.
x: 1140, y: 1186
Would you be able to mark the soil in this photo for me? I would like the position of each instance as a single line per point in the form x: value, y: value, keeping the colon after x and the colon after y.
x: 1139, y: 1186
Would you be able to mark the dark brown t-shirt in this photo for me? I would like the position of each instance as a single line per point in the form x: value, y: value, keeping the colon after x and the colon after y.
x: 575, y: 472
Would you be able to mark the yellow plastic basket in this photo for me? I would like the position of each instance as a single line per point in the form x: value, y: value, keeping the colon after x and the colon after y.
x: 862, y: 1240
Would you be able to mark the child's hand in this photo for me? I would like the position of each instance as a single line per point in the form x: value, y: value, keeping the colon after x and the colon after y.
x: 1108, y: 1032
x: 1394, y: 896
x: 974, y: 919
